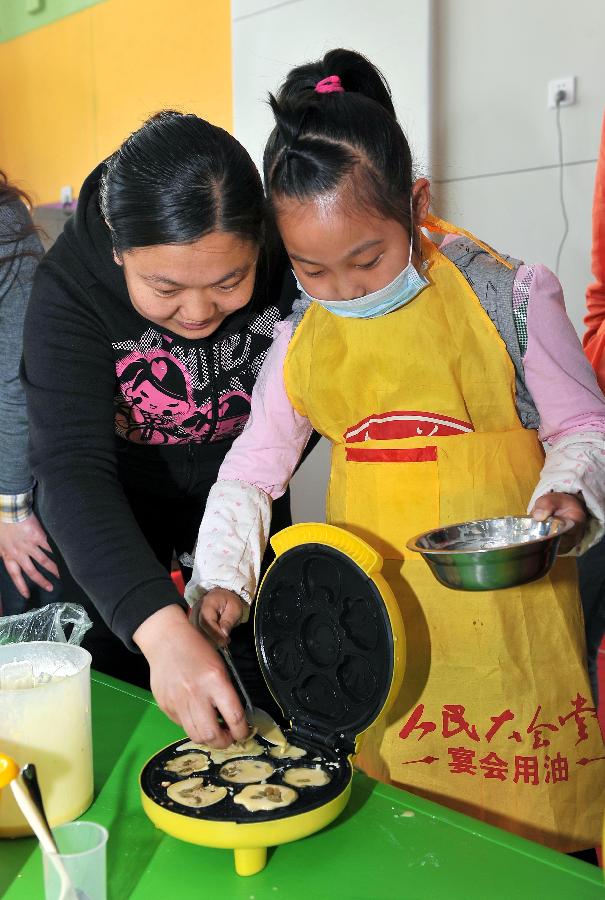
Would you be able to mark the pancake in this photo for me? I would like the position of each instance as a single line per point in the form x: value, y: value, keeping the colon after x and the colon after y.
x: 193, y: 792
x: 246, y: 771
x: 249, y: 747
x: 265, y: 797
x: 188, y: 763
x: 305, y: 776
x: 287, y: 752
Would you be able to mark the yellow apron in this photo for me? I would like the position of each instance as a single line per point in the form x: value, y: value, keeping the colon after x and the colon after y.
x: 495, y: 717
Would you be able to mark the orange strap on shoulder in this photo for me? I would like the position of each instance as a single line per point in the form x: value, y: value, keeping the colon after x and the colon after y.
x: 434, y: 223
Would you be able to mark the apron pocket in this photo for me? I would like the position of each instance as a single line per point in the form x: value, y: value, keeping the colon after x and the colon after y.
x: 391, y: 493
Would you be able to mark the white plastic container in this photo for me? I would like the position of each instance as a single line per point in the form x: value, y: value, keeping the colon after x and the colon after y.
x: 45, y: 720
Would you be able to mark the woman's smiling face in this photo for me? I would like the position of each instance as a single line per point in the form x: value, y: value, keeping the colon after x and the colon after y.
x: 190, y: 289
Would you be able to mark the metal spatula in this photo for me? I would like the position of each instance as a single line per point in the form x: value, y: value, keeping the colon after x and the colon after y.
x: 256, y: 718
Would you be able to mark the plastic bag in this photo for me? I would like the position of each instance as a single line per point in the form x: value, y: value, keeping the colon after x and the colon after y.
x: 48, y: 623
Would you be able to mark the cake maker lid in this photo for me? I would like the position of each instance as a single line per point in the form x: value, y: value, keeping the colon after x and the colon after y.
x: 324, y: 640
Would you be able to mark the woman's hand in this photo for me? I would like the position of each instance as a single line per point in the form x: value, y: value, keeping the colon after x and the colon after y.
x: 217, y: 613
x: 189, y: 680
x: 565, y: 506
x: 20, y: 544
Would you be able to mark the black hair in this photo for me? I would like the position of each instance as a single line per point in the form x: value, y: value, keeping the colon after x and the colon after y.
x: 10, y: 192
x: 321, y: 138
x: 177, y: 179
x: 21, y: 225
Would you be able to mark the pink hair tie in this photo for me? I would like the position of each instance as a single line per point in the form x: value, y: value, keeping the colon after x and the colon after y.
x: 329, y: 85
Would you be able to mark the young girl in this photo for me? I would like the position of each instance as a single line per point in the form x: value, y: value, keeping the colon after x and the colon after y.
x: 148, y: 323
x: 436, y: 374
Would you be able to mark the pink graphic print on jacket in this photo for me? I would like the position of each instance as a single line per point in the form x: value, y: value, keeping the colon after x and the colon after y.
x: 156, y: 403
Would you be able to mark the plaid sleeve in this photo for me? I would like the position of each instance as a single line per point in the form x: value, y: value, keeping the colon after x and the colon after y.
x: 15, y: 508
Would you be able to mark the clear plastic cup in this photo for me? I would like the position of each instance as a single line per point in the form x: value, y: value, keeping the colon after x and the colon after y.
x: 82, y: 852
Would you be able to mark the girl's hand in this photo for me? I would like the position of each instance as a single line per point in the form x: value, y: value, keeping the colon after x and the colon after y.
x: 218, y: 612
x: 189, y: 680
x: 565, y: 506
x: 20, y: 544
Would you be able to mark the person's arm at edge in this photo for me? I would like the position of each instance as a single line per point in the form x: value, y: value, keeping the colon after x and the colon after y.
x: 572, y: 413
x: 22, y: 538
x: 594, y: 338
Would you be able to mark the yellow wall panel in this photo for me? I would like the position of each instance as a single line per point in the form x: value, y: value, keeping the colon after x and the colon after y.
x: 47, y: 107
x: 155, y: 54
x: 72, y: 91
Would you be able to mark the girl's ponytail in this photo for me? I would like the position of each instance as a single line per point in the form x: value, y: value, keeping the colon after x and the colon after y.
x: 335, y: 117
x: 356, y: 73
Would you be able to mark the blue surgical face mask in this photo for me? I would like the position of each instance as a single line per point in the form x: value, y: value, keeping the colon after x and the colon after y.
x: 398, y: 292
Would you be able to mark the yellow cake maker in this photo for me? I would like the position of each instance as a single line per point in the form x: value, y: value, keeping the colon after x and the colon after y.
x: 331, y: 646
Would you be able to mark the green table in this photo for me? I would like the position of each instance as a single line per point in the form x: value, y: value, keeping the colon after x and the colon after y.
x: 372, y: 852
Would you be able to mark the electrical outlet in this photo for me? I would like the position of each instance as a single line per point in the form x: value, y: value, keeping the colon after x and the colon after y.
x: 66, y: 194
x: 567, y: 85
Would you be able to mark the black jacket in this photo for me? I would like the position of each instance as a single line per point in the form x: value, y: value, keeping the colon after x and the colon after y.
x: 118, y: 405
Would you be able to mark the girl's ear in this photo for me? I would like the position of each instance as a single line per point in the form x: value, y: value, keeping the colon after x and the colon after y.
x: 421, y: 198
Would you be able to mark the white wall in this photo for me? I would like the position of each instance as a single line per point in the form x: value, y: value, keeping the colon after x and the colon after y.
x: 494, y: 146
x: 270, y: 38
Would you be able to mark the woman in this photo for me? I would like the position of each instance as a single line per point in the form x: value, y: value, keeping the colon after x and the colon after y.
x: 22, y: 539
x: 148, y: 324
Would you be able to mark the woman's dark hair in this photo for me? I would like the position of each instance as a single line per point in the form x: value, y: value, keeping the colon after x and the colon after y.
x: 176, y: 179
x: 321, y: 138
x: 10, y: 192
x: 17, y: 226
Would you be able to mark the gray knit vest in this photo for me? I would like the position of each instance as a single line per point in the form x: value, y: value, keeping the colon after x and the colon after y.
x: 493, y: 285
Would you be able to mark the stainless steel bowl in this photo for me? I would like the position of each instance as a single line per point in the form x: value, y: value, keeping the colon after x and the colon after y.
x: 491, y: 554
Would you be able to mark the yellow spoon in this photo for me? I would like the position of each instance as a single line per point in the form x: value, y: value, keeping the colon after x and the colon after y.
x: 8, y: 770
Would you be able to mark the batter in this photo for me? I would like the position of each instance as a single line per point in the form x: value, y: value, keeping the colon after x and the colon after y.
x: 268, y: 797
x: 188, y: 763
x: 306, y: 777
x: 288, y: 751
x: 246, y: 771
x: 249, y: 747
x: 193, y: 792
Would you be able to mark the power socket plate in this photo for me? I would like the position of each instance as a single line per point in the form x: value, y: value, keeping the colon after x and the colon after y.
x: 568, y: 85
